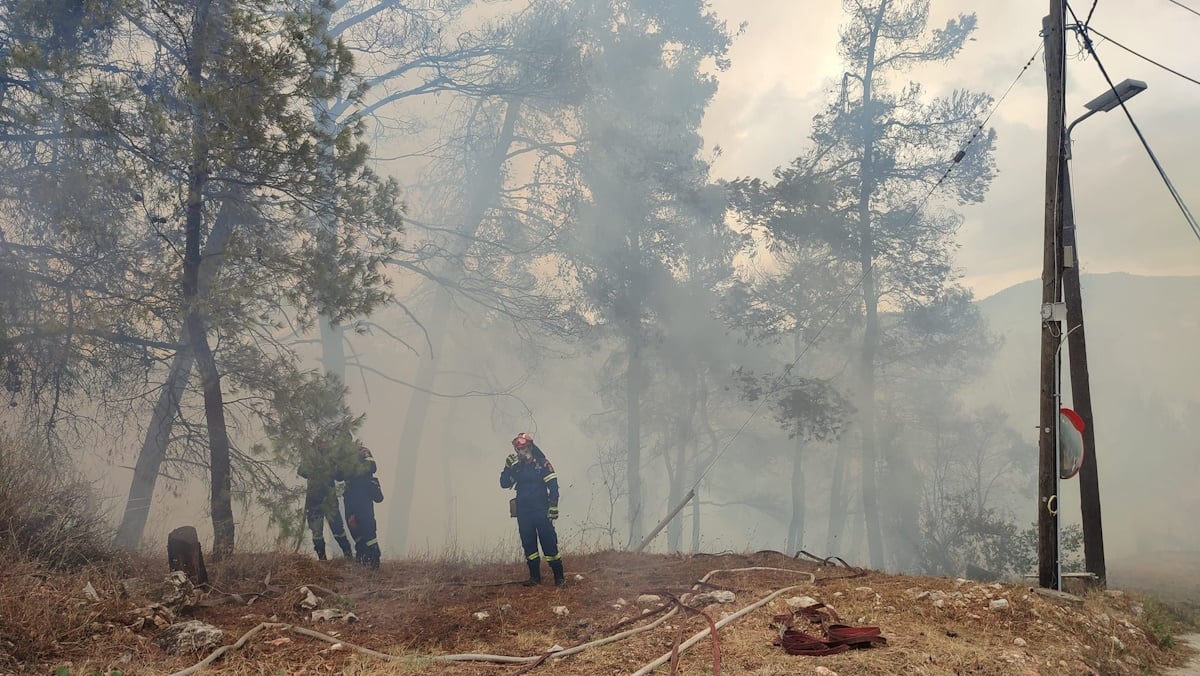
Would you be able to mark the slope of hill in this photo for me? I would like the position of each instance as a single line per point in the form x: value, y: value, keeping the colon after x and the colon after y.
x: 416, y: 616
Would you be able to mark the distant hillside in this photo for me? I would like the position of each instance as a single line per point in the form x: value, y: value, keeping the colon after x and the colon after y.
x: 1143, y: 337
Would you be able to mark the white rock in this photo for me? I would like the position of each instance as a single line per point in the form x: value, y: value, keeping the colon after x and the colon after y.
x: 998, y: 604
x: 555, y: 648
x: 578, y: 577
x: 826, y: 671
x: 922, y: 596
x: 308, y: 600
x: 724, y: 596
x: 939, y: 603
x: 90, y: 592
x: 959, y: 581
x: 1118, y: 643
x: 620, y: 602
x: 505, y: 608
x: 648, y: 599
x: 864, y: 590
x: 1019, y: 642
x: 349, y: 618
x: 938, y: 595
x: 192, y: 636
x: 561, y: 611
x: 327, y: 614
x: 481, y: 615
x: 890, y: 609
x: 801, y: 602
x: 838, y: 595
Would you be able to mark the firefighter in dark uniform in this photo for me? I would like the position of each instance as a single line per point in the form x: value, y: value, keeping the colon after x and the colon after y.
x: 361, y: 492
x: 530, y: 472
x: 320, y: 498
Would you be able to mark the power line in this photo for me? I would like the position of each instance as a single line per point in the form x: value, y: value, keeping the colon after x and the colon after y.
x: 1180, y: 4
x: 1183, y: 208
x: 958, y: 157
x: 1144, y: 57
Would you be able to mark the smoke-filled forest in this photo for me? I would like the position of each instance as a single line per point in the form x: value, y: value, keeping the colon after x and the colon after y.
x: 234, y: 233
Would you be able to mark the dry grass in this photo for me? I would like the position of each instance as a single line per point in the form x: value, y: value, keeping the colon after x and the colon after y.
x: 419, y: 609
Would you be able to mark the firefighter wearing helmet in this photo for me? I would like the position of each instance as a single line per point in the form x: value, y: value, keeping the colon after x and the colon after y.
x: 535, y: 507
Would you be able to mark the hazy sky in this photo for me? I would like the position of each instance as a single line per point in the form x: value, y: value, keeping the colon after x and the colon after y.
x: 785, y: 65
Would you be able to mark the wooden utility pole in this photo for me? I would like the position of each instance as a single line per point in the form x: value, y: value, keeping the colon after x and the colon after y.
x: 1081, y: 392
x: 1053, y: 32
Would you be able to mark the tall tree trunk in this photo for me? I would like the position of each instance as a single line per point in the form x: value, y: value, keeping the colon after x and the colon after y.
x: 633, y: 428
x: 696, y: 520
x: 838, y: 503
x: 870, y: 450
x: 795, y: 540
x: 195, y: 322
x: 333, y: 351
x: 485, y: 187
x: 684, y: 439
x: 162, y: 420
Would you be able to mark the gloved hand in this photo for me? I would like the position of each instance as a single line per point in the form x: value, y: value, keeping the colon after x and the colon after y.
x: 553, y: 515
x: 510, y: 461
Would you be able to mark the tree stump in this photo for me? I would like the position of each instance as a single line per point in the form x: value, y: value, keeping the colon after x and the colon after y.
x: 183, y: 554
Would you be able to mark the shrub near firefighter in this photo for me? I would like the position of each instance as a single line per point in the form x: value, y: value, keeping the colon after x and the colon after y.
x: 535, y: 507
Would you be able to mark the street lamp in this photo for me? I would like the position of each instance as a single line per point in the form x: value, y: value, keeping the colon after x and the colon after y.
x: 1081, y: 389
x: 1125, y: 90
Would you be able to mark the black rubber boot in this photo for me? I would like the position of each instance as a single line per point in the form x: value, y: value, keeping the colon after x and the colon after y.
x: 319, y: 548
x: 535, y: 574
x: 560, y: 580
x: 344, y: 543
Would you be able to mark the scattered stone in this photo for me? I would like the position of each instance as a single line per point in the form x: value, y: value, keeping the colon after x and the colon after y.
x: 864, y: 590
x: 184, y: 638
x: 349, y: 618
x: 826, y: 671
x: 505, y: 608
x: 960, y: 581
x: 578, y: 577
x: 555, y: 648
x: 922, y: 596
x: 1114, y: 593
x: 561, y: 611
x: 308, y: 600
x: 154, y: 615
x: 709, y: 598
x: 1138, y: 609
x: 282, y: 640
x: 938, y: 595
x: 801, y: 602
x: 939, y: 603
x: 1019, y: 642
x: 331, y: 649
x: 648, y: 599
x: 1117, y: 643
x: 890, y: 609
x: 838, y: 595
x: 90, y: 592
x: 327, y: 614
x: 180, y: 593
x: 481, y: 615
x: 620, y: 603
x: 998, y: 604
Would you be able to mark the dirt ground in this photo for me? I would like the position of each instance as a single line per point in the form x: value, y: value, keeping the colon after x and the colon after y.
x: 415, y: 613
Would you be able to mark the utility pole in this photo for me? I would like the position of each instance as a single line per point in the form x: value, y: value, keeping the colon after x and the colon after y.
x: 1081, y: 393
x: 1053, y: 32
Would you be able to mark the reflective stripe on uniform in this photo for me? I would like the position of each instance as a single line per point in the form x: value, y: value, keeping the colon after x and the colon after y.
x: 372, y: 541
x: 556, y: 557
x: 552, y: 475
x: 533, y: 557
